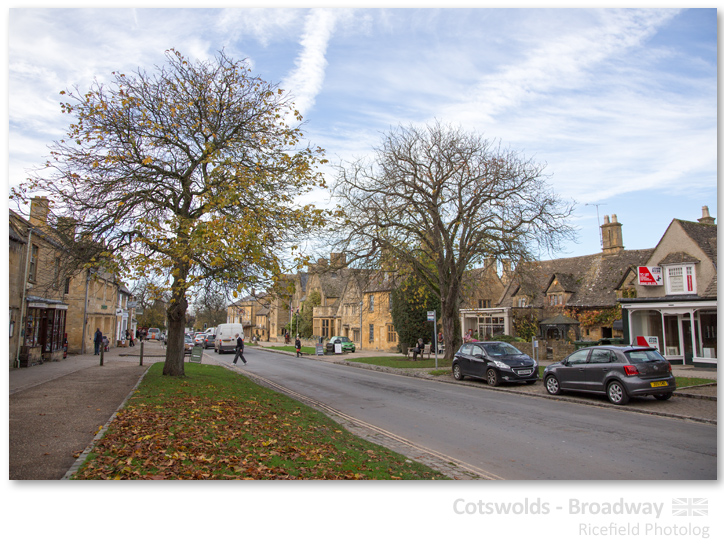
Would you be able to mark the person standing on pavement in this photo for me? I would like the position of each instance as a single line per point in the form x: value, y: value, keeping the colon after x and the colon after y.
x: 298, y: 346
x: 97, y: 340
x: 239, y: 350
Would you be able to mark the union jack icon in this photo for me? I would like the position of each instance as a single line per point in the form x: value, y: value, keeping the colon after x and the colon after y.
x: 690, y: 506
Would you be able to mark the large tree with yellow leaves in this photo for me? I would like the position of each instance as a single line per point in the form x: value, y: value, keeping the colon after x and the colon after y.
x: 187, y: 173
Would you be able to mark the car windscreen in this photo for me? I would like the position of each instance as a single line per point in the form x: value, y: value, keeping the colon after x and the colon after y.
x: 646, y: 355
x: 500, y: 349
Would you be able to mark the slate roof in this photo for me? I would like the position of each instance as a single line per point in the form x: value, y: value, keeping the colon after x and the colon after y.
x: 591, y: 279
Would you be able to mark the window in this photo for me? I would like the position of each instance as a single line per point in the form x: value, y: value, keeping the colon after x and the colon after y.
x: 372, y: 303
x: 391, y: 334
x: 602, y: 356
x: 522, y: 301
x: 389, y: 301
x: 680, y: 279
x: 325, y: 327
x: 32, y: 272
x: 372, y: 333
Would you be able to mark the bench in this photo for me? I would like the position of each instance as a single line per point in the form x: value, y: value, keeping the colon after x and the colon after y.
x: 426, y: 351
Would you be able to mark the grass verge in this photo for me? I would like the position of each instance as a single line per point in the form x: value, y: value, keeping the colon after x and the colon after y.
x: 403, y: 362
x: 216, y: 424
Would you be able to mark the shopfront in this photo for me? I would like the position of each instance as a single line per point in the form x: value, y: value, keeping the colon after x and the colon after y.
x: 44, y: 331
x: 684, y: 332
x: 486, y: 324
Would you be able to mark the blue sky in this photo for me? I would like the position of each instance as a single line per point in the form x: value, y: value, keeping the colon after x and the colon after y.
x: 620, y: 104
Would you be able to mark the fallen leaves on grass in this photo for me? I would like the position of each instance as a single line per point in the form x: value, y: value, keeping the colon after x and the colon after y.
x: 207, y: 439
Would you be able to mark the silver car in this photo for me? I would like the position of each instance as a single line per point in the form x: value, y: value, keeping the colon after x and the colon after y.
x: 617, y: 372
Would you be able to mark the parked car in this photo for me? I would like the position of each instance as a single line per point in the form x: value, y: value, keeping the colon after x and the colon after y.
x: 617, y: 372
x: 347, y: 344
x: 188, y: 344
x: 494, y: 361
x: 209, y: 339
x: 153, y: 333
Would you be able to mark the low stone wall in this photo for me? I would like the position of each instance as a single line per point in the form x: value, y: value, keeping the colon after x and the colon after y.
x: 547, y: 350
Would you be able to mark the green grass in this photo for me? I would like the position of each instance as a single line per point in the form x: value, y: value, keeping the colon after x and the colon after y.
x: 216, y: 424
x: 292, y: 349
x: 688, y: 382
x: 403, y: 362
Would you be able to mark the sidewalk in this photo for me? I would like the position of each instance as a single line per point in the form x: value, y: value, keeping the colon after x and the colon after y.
x: 56, y: 408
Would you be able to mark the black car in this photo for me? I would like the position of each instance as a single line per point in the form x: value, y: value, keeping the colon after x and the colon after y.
x: 614, y: 371
x: 494, y: 361
x: 209, y: 340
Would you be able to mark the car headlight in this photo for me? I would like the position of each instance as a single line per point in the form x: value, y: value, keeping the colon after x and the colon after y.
x: 499, y: 364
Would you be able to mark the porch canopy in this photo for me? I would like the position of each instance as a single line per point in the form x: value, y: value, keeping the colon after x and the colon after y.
x: 558, y: 327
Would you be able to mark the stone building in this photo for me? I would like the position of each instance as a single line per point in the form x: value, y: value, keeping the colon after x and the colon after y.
x: 675, y: 304
x: 575, y: 298
x: 48, y: 306
x: 37, y: 291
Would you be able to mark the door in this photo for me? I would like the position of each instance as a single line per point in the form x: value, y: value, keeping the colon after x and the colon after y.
x: 572, y: 374
x: 599, y: 364
x: 478, y: 364
x: 686, y: 340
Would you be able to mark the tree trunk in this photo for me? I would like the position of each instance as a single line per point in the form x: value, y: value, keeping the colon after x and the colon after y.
x: 176, y: 314
x: 450, y: 323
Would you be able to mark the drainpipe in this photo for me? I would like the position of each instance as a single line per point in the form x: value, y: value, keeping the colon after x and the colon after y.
x: 85, y: 313
x: 23, y: 308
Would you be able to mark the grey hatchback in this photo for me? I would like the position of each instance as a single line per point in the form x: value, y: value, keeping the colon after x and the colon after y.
x: 495, y: 362
x: 617, y: 372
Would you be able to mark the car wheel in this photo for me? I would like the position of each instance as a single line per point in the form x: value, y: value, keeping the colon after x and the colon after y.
x: 617, y: 393
x: 663, y: 396
x: 457, y: 373
x: 492, y: 377
x: 553, y: 386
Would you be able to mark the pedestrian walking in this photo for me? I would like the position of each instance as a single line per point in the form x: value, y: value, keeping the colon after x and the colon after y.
x: 97, y: 340
x: 130, y: 339
x: 239, y: 350
x: 298, y: 346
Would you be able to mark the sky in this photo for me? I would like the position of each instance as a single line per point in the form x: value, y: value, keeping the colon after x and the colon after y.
x: 620, y: 105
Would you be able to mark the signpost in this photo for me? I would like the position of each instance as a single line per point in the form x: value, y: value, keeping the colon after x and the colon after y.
x: 432, y: 317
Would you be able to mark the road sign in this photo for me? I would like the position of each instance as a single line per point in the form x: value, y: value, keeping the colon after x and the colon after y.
x: 431, y: 316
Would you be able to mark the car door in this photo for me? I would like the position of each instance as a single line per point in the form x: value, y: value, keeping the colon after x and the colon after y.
x: 478, y: 362
x: 463, y: 358
x: 599, y: 364
x: 571, y: 373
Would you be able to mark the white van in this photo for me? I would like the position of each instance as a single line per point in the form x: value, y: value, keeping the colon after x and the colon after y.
x: 226, y: 337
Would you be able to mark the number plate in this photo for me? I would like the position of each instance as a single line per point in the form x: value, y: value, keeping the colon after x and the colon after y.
x: 525, y: 372
x: 659, y: 384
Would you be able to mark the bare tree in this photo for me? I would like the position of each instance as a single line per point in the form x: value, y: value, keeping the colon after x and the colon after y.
x: 437, y: 201
x: 186, y: 174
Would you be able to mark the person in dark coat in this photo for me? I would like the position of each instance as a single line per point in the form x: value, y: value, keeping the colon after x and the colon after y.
x: 298, y: 346
x: 239, y: 350
x: 418, y: 349
x: 97, y: 340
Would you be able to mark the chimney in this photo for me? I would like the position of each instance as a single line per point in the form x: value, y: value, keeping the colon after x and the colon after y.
x: 338, y: 260
x: 39, y: 208
x: 612, y: 235
x: 705, y: 217
x: 507, y: 272
x: 66, y: 228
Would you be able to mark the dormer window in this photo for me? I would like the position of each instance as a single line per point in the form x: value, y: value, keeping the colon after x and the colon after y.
x: 680, y: 280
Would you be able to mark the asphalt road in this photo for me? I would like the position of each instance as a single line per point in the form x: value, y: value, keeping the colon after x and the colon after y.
x: 498, y: 435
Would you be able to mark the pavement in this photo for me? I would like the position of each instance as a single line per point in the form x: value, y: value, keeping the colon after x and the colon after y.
x: 57, y: 409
